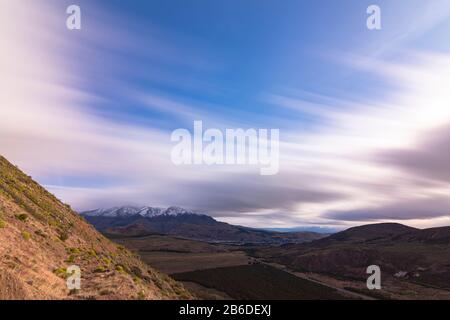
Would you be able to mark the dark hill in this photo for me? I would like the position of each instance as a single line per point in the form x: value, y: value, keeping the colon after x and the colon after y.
x: 421, y: 256
x: 371, y: 232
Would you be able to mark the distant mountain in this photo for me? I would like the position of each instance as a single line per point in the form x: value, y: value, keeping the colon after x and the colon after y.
x: 421, y: 256
x: 323, y: 230
x: 180, y: 222
x: 428, y: 236
x: 146, y: 212
x: 370, y: 232
x: 40, y: 237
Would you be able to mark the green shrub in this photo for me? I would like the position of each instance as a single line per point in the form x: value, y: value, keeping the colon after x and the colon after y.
x: 2, y: 224
x: 61, y: 272
x: 100, y: 269
x: 26, y: 235
x: 137, y: 280
x: 22, y: 217
x: 52, y: 223
x: 120, y: 269
x: 141, y: 295
x: 74, y: 250
x: 92, y: 253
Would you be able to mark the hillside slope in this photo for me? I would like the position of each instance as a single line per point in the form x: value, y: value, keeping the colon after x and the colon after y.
x: 368, y: 233
x: 40, y: 237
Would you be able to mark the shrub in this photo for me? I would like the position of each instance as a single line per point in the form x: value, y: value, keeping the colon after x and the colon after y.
x: 141, y: 295
x: 26, y: 235
x: 100, y: 269
x: 136, y: 271
x: 74, y: 250
x: 137, y: 280
x: 52, y: 223
x: 2, y: 224
x: 92, y: 253
x: 61, y: 272
x: 120, y: 269
x: 63, y: 236
x: 22, y: 217
x: 40, y: 233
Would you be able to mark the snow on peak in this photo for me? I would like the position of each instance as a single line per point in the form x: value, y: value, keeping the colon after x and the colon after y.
x: 147, y: 212
x: 175, y: 211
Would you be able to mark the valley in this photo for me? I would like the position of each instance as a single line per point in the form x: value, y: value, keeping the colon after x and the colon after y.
x: 218, y: 271
x: 414, y: 262
x: 260, y: 282
x: 175, y: 255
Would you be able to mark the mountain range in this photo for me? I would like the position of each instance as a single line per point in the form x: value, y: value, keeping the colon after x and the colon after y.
x: 175, y: 221
x: 146, y: 212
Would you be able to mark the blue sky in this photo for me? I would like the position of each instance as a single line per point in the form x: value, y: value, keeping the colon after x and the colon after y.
x: 101, y: 102
x: 225, y: 57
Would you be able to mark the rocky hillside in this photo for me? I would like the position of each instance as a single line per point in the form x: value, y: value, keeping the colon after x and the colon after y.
x: 40, y: 238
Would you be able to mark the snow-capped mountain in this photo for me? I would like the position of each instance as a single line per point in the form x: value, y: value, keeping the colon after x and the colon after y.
x: 146, y: 212
x: 179, y: 222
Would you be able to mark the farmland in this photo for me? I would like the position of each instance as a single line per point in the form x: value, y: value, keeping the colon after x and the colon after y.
x: 258, y: 281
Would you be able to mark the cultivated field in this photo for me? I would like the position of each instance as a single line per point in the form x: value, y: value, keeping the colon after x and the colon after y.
x: 258, y: 281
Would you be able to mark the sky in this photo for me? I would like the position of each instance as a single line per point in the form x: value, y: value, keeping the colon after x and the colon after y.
x: 364, y: 115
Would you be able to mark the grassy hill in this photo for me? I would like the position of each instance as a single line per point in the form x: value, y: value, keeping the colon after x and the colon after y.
x: 40, y: 237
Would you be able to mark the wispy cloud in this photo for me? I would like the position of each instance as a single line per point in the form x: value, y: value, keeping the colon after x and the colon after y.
x: 359, y: 158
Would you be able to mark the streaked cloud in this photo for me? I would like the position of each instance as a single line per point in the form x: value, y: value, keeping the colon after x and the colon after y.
x: 91, y: 115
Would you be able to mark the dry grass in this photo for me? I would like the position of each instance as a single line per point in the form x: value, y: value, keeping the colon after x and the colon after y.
x: 170, y: 262
x: 39, y: 234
